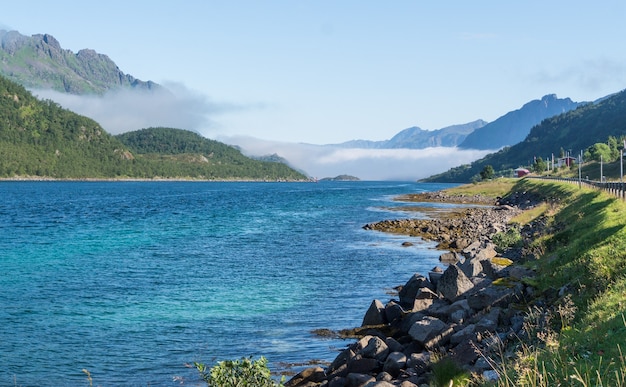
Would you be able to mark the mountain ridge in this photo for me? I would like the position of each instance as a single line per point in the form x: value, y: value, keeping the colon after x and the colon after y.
x: 515, y: 125
x: 575, y: 130
x: 39, y: 62
x: 418, y: 138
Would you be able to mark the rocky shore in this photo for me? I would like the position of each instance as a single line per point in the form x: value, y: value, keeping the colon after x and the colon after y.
x: 463, y: 311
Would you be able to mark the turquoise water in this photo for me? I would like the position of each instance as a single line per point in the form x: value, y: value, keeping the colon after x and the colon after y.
x: 134, y: 280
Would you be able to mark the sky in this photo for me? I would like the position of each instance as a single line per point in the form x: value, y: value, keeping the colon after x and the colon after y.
x: 324, y: 72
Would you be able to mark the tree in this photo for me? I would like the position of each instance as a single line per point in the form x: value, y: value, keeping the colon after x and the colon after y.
x: 487, y: 173
x: 599, y: 151
x: 539, y: 166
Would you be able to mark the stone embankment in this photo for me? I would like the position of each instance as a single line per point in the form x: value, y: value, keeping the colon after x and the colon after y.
x: 463, y: 313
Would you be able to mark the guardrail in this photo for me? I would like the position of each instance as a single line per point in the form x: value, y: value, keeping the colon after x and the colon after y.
x: 617, y: 189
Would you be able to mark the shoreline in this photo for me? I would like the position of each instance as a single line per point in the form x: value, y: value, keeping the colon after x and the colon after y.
x: 137, y: 179
x: 463, y: 313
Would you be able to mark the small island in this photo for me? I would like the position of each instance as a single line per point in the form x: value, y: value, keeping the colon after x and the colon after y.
x: 341, y: 178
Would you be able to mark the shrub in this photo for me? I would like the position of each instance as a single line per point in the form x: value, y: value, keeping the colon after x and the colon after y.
x: 510, y: 238
x: 238, y: 373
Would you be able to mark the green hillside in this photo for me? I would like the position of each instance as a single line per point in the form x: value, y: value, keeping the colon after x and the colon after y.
x: 176, y: 152
x: 576, y: 130
x: 42, y: 139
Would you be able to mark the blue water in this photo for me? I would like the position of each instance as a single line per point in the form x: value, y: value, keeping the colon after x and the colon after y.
x: 134, y: 280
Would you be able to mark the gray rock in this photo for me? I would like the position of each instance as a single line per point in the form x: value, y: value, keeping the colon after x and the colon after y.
x: 307, y: 377
x: 394, y: 312
x: 362, y: 365
x: 489, y: 322
x: 487, y: 252
x: 489, y: 296
x: 418, y: 361
x: 472, y: 267
x: 372, y: 347
x: 380, y: 383
x: 394, y: 345
x: 341, y: 360
x: 375, y: 314
x: 493, y: 270
x: 395, y: 362
x: 430, y: 331
x: 465, y: 334
x: 449, y: 257
x: 409, y: 290
x: 470, y: 251
x: 338, y: 381
x: 356, y: 379
x: 453, y: 283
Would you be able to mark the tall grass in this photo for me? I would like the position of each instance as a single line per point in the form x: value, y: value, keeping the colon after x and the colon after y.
x: 575, y: 337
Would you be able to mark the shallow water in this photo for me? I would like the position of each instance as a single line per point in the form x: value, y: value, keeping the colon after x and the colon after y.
x: 134, y: 280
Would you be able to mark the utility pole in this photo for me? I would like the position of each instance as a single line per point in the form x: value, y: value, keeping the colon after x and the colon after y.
x: 580, y: 164
x: 601, y: 174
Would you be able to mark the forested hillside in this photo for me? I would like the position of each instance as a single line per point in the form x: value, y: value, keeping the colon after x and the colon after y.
x: 184, y: 153
x: 574, y: 131
x: 42, y: 139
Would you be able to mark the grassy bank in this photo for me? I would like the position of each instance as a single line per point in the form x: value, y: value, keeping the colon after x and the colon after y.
x: 577, y: 319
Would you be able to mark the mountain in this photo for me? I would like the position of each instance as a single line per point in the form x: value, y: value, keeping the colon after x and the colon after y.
x: 514, y: 126
x: 42, y: 139
x: 575, y: 130
x: 417, y: 138
x: 184, y: 153
x: 39, y: 62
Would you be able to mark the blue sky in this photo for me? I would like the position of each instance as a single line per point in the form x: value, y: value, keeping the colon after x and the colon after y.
x: 331, y: 71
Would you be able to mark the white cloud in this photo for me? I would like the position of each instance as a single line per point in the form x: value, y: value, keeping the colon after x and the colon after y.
x: 126, y: 110
x: 366, y: 164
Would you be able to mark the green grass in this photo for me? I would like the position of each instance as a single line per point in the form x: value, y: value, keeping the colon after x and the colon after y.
x: 585, y: 255
x: 491, y: 188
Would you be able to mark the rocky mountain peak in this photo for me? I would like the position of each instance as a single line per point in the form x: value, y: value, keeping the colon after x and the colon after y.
x: 52, y: 67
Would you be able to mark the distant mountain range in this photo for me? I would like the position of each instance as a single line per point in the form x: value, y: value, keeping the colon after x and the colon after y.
x: 417, y: 138
x: 39, y: 62
x: 514, y: 126
x: 507, y: 130
x: 573, y: 131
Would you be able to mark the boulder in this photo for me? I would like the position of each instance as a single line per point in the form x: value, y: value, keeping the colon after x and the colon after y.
x: 380, y: 383
x: 434, y: 275
x: 465, y: 334
x: 362, y: 365
x: 394, y: 345
x: 356, y: 379
x: 460, y: 243
x: 375, y: 314
x: 487, y: 252
x: 410, y: 289
x: 453, y: 283
x: 337, y: 381
x: 472, y: 267
x: 519, y: 272
x: 394, y: 312
x: 449, y: 257
x: 471, y: 249
x: 490, y: 296
x: 340, y: 360
x: 489, y: 322
x: 418, y: 361
x: 396, y: 361
x: 430, y: 331
x: 496, y: 267
x: 465, y: 353
x: 308, y: 377
x: 372, y: 347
